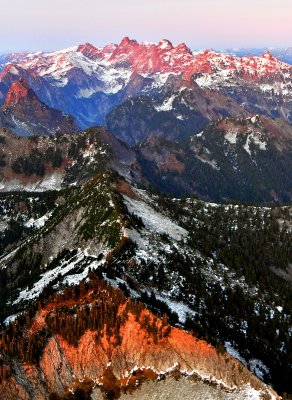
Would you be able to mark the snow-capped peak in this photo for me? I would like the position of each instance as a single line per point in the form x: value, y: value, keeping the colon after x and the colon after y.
x: 147, y: 58
x: 86, y: 70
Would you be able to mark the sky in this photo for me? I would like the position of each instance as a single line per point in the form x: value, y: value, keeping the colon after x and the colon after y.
x: 55, y: 24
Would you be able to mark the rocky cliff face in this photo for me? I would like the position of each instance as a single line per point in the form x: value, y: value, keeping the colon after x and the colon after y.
x: 124, y: 347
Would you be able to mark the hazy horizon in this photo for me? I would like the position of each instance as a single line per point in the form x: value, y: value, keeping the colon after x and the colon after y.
x: 201, y: 24
x: 48, y: 50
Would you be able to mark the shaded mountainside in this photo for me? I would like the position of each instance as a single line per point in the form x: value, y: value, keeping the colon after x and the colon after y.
x: 175, y: 113
x: 246, y: 159
x: 241, y: 159
x: 92, y: 338
x: 206, y: 266
x: 26, y: 115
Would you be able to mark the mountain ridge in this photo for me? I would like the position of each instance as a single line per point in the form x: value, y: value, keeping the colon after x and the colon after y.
x: 176, y: 256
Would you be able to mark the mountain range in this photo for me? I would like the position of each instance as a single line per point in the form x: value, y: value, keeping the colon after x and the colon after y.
x: 98, y: 85
x: 145, y: 223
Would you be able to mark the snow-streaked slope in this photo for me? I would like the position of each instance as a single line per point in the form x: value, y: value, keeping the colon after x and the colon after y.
x: 154, y: 221
x: 63, y: 272
x: 50, y: 182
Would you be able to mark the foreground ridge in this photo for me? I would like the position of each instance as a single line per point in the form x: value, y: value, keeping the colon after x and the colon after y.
x: 93, y: 338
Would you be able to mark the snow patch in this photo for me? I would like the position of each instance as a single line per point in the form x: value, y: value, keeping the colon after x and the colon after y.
x: 11, y: 318
x: 252, y: 138
x: 37, y: 223
x: 13, y: 70
x: 181, y: 309
x: 46, y: 278
x: 250, y: 393
x: 181, y: 117
x: 231, y: 136
x: 258, y: 368
x: 3, y: 226
x: 52, y: 182
x: 167, y: 104
x: 234, y: 353
x: 210, y: 162
x: 154, y: 221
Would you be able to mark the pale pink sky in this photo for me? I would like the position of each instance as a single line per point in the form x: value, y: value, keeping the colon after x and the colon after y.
x: 53, y: 24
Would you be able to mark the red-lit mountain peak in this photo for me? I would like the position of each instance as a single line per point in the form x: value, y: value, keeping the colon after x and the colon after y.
x: 247, y: 68
x: 126, y: 41
x: 130, y: 67
x: 94, y: 53
x: 183, y: 48
x: 145, y: 58
x: 19, y: 92
x: 9, y: 69
x: 126, y: 46
x: 26, y: 114
x: 125, y: 51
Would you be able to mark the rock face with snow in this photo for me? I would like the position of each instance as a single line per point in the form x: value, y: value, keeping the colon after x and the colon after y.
x: 91, y: 339
x: 181, y: 109
x: 26, y: 115
x: 75, y: 223
x: 91, y: 83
